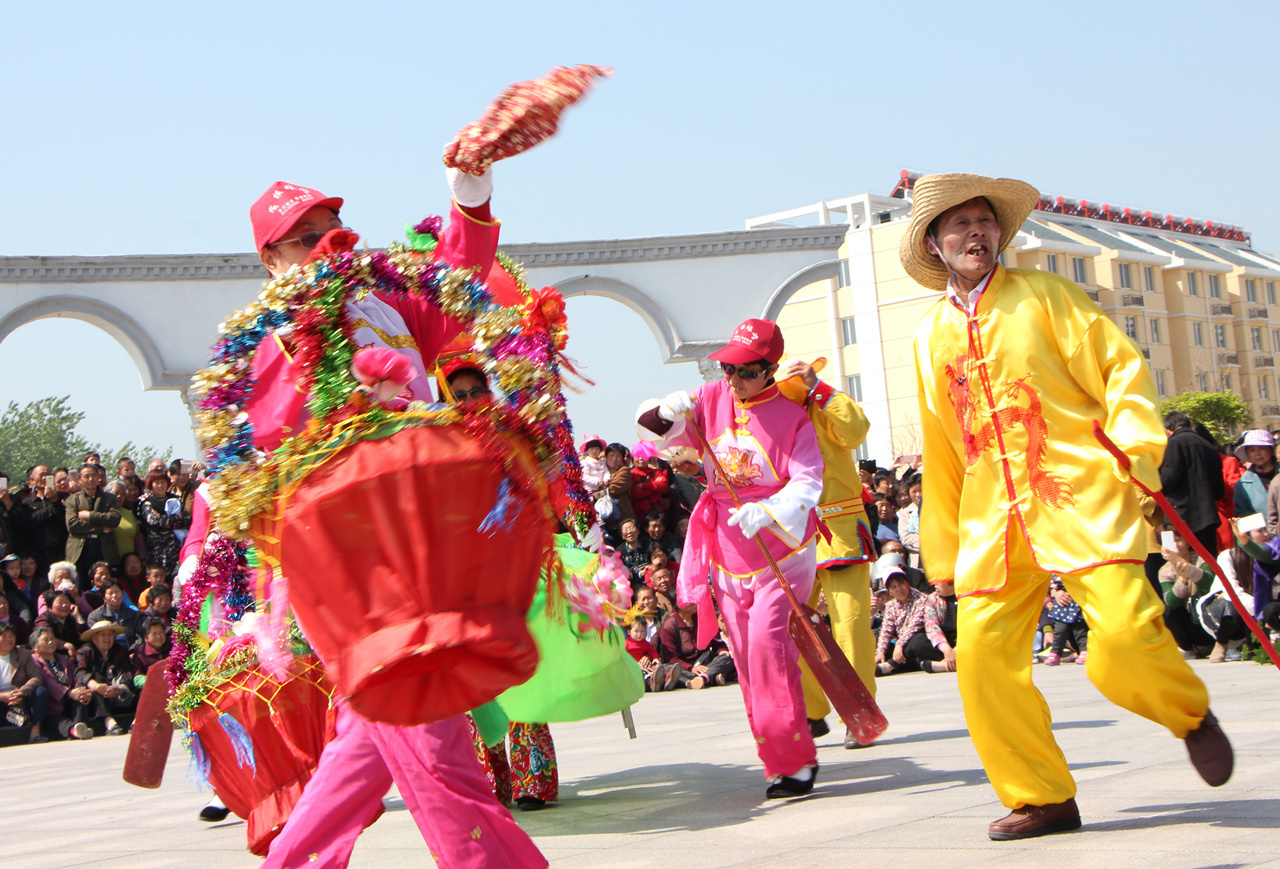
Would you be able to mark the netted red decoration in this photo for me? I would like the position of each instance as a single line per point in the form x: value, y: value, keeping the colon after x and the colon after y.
x: 522, y: 116
x: 287, y: 723
x: 417, y: 611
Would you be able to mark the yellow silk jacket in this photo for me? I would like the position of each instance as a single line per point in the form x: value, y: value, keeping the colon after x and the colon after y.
x: 841, y: 427
x: 1007, y: 403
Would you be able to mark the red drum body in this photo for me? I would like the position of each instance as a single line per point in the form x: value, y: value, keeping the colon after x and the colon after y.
x: 287, y: 725
x: 417, y: 613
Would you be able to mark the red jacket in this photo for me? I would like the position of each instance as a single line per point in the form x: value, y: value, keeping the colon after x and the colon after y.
x: 649, y: 488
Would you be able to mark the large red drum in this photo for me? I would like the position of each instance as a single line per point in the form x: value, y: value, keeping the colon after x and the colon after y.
x: 418, y: 614
x: 260, y: 761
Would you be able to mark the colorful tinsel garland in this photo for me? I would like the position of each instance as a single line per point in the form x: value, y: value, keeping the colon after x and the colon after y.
x: 517, y: 347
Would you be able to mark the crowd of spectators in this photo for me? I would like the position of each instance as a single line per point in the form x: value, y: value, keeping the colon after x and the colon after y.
x: 89, y: 560
x: 87, y: 565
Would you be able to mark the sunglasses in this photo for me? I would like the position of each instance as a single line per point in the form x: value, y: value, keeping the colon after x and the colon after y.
x: 308, y: 240
x: 474, y: 392
x: 743, y: 373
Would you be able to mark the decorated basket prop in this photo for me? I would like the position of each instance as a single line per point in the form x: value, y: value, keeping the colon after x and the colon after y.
x: 410, y: 538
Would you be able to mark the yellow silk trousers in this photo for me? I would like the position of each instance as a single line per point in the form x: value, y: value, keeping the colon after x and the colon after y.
x: 1133, y: 660
x: 848, y: 594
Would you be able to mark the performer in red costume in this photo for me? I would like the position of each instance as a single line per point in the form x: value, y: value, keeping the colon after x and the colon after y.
x: 432, y: 765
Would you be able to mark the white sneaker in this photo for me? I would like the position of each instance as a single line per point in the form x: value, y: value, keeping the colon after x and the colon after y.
x: 82, y: 731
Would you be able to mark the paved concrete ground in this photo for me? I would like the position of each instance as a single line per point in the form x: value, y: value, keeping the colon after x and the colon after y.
x: 688, y: 793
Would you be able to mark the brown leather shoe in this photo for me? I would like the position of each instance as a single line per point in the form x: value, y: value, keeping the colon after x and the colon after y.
x: 1210, y: 751
x: 1029, y: 821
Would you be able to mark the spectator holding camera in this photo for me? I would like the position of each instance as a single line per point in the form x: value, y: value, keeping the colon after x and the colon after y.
x: 163, y: 515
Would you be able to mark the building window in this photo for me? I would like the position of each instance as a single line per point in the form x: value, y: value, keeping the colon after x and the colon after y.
x: 1051, y: 262
x: 1131, y: 327
x: 848, y: 331
x: 1275, y: 340
x: 1126, y: 279
x: 1202, y: 380
x: 1149, y: 279
x: 1197, y: 334
x: 1255, y: 337
x: 1271, y: 292
x: 843, y: 280
x: 1215, y: 288
x: 1192, y: 288
x: 1160, y: 384
x: 853, y: 386
x: 1078, y: 273
x: 1155, y: 331
x: 1250, y: 290
x: 1264, y: 388
x: 1220, y: 336
x: 1226, y: 382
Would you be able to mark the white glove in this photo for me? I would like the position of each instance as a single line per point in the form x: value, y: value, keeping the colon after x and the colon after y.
x: 675, y: 406
x: 593, y: 539
x: 186, y: 570
x: 749, y: 519
x: 470, y: 190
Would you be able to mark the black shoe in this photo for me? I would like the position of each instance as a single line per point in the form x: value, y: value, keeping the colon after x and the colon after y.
x: 818, y: 727
x: 531, y: 804
x: 786, y: 787
x: 213, y: 814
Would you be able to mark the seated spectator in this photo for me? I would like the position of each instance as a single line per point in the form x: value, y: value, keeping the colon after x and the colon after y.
x: 62, y: 574
x: 664, y: 586
x: 633, y: 551
x: 883, y: 482
x: 16, y: 588
x: 68, y: 709
x: 62, y: 618
x: 113, y: 611
x: 887, y: 512
x: 1258, y: 449
x: 660, y: 537
x: 99, y: 572
x: 19, y: 626
x: 647, y: 605
x: 1251, y: 566
x: 702, y: 667
x: 155, y: 576
x: 1067, y: 618
x: 154, y: 648
x: 658, y: 558
x: 1182, y: 582
x: 105, y: 668
x: 916, y: 577
x: 27, y: 580
x: 594, y: 473
x: 936, y: 647
x: 657, y: 675
x: 22, y: 691
x: 903, y: 619
x: 133, y: 578
x: 160, y: 606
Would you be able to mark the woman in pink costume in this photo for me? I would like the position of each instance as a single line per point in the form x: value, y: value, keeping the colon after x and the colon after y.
x: 769, y: 451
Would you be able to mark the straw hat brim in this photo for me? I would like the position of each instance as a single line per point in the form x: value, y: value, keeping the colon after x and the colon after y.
x: 1012, y: 201
x: 109, y: 627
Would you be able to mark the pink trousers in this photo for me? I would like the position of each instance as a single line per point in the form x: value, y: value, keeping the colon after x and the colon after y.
x: 755, y: 615
x: 435, y: 769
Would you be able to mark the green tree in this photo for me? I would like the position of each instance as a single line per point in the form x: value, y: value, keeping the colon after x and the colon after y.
x: 43, y: 432
x: 1222, y: 413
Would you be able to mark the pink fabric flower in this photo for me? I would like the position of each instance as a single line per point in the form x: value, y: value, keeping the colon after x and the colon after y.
x: 382, y: 371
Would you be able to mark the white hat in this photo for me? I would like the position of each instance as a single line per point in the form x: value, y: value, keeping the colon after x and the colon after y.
x: 1255, y: 438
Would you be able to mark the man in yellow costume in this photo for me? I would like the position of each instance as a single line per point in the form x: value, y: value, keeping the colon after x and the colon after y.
x: 844, y: 560
x: 1014, y: 366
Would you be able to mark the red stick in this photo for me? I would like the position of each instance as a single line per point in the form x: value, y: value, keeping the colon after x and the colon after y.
x: 1191, y: 539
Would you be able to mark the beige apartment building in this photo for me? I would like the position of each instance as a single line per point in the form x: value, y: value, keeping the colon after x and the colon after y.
x: 1195, y: 297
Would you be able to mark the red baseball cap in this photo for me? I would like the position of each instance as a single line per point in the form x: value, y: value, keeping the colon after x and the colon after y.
x: 276, y: 211
x: 752, y: 340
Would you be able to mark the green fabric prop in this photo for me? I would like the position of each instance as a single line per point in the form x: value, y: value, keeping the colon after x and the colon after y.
x: 492, y: 723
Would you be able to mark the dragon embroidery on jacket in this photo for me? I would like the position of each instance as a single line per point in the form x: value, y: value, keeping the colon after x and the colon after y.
x: 1049, y: 488
x: 739, y: 465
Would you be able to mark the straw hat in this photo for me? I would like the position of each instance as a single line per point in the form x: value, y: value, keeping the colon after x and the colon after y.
x: 1011, y: 200
x: 99, y: 627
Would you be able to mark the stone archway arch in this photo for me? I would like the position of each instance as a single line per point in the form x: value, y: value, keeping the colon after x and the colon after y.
x: 654, y: 316
x: 804, y: 277
x: 128, y: 333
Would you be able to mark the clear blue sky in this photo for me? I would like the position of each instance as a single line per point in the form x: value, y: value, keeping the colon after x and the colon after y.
x: 150, y: 127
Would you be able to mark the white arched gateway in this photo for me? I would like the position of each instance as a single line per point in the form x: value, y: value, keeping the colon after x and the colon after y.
x: 691, y: 290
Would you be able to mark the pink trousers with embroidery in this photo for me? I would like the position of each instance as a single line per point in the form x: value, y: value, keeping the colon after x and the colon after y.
x: 435, y: 769
x: 755, y: 615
